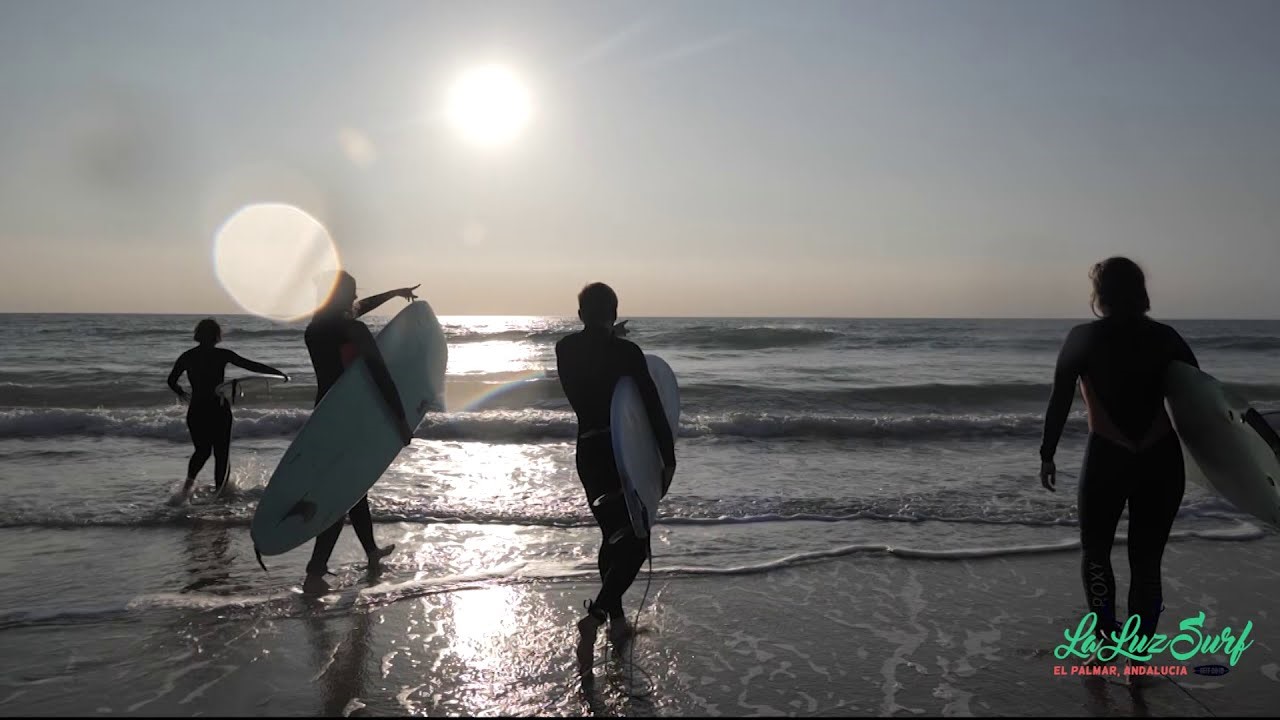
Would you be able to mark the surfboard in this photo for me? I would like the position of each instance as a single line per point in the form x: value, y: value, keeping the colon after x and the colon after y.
x: 1234, y: 448
x: 634, y: 448
x: 350, y: 438
x: 233, y: 389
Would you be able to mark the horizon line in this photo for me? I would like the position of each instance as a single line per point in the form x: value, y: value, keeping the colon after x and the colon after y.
x: 645, y: 317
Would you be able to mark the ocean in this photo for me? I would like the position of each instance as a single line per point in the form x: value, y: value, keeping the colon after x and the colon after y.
x: 805, y: 445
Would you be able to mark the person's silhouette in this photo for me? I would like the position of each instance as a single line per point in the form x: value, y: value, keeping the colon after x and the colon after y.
x: 590, y: 363
x: 208, y: 416
x: 1132, y: 455
x: 335, y: 339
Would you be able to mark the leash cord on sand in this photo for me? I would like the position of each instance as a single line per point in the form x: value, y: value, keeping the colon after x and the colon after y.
x: 631, y: 660
x: 1188, y: 694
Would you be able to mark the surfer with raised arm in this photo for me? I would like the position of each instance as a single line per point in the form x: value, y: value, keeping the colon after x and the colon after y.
x: 208, y: 416
x: 335, y: 339
x: 590, y: 362
x: 1132, y: 454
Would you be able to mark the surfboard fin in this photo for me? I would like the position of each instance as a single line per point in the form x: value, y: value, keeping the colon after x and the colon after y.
x: 258, y: 553
x: 304, y: 509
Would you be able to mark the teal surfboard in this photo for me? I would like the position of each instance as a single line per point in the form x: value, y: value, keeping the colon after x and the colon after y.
x: 350, y: 438
x: 634, y: 448
x: 1234, y: 450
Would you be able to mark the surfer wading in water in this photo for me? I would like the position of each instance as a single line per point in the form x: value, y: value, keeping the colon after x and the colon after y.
x: 335, y: 339
x: 1132, y: 454
x: 590, y: 363
x: 209, y: 416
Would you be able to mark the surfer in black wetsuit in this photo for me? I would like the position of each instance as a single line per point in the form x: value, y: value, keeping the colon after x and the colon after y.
x: 208, y: 416
x: 590, y: 363
x: 335, y: 338
x: 1132, y: 454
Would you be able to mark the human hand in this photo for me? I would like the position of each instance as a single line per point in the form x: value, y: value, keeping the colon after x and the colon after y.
x: 1048, y: 475
x: 183, y: 395
x: 407, y: 293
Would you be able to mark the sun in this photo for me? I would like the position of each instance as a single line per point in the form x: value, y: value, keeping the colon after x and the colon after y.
x: 489, y: 105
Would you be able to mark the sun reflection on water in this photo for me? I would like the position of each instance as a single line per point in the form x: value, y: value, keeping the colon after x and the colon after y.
x: 495, y: 356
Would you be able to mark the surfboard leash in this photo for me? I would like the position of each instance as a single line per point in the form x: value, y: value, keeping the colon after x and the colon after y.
x: 631, y: 651
x: 1188, y: 694
x: 648, y: 547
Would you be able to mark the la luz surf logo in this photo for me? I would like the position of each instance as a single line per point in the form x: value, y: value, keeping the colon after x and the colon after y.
x: 1191, y: 640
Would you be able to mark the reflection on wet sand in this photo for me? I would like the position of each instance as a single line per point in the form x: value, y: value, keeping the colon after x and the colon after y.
x: 341, y: 659
x: 208, y: 560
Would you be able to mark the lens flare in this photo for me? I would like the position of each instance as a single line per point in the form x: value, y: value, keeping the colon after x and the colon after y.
x: 268, y: 257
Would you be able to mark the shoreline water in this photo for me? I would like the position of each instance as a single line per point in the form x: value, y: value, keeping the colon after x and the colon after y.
x: 866, y: 636
x: 834, y: 475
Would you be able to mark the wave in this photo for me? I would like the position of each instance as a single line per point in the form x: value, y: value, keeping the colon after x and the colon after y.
x: 130, y: 391
x: 957, y: 395
x: 531, y: 425
x: 179, y: 332
x: 167, y: 423
x: 536, y: 425
x: 1250, y: 343
x: 741, y: 338
x: 679, y: 510
x: 515, y: 391
x: 546, y: 336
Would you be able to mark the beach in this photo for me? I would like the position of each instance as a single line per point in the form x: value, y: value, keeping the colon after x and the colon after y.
x: 865, y: 634
x: 855, y: 529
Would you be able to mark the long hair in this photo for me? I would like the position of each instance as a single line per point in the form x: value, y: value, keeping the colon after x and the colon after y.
x: 1119, y: 289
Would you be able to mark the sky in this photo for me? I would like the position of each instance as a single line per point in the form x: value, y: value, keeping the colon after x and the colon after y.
x: 710, y: 158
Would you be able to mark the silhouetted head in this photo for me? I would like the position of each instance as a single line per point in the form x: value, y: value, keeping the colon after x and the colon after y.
x: 341, y: 294
x: 208, y: 332
x: 598, y: 305
x: 1119, y: 289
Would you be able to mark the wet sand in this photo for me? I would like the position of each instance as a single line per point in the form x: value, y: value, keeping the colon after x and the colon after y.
x: 862, y: 635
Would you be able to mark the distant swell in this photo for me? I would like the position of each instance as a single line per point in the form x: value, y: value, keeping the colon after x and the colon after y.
x: 531, y: 425
x: 747, y: 338
x: 1254, y: 343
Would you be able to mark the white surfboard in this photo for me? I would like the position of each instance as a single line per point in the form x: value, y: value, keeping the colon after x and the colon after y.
x: 634, y: 448
x: 233, y: 389
x: 1235, y: 450
x: 350, y: 438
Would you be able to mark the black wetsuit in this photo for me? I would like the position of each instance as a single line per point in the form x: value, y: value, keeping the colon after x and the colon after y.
x: 208, y: 417
x: 331, y: 344
x: 590, y: 363
x: 1132, y: 454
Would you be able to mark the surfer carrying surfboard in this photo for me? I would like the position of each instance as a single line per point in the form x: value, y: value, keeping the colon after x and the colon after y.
x: 590, y: 363
x: 208, y: 417
x: 1132, y: 454
x: 335, y: 339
